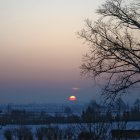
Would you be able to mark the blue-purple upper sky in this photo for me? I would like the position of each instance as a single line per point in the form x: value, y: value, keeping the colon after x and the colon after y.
x: 40, y: 53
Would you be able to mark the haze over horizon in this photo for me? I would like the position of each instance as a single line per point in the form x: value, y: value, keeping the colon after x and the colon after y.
x: 40, y: 53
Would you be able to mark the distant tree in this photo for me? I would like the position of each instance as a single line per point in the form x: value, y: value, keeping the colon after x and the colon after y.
x: 68, y: 111
x: 109, y: 116
x: 40, y: 132
x: 89, y: 115
x: 135, y: 110
x: 120, y: 105
x: 95, y: 108
x: 8, y: 134
x: 86, y: 136
x: 69, y: 133
x: 23, y: 133
x: 114, y: 46
x: 137, y: 105
x: 126, y: 115
x: 94, y: 131
x: 94, y: 104
x: 52, y: 133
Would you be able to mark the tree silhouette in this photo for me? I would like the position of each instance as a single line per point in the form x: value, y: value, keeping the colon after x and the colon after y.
x: 114, y: 46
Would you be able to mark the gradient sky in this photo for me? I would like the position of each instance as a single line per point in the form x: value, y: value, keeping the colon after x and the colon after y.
x: 40, y: 53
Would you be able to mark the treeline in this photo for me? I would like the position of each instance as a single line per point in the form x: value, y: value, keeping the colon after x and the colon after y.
x: 26, y: 117
x: 93, y: 113
x: 119, y: 111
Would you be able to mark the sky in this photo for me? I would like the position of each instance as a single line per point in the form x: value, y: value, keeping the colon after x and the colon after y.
x: 40, y: 53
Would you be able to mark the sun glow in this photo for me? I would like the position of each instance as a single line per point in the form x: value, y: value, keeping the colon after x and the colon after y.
x: 72, y: 98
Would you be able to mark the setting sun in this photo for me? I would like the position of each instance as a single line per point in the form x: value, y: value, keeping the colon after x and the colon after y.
x: 72, y: 98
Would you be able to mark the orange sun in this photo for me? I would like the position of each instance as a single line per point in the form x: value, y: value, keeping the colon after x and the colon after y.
x: 72, y: 98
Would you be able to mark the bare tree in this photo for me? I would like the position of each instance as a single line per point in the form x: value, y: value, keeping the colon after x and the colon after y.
x: 114, y: 46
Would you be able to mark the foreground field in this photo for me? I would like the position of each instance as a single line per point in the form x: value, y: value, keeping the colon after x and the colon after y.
x: 70, y: 131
